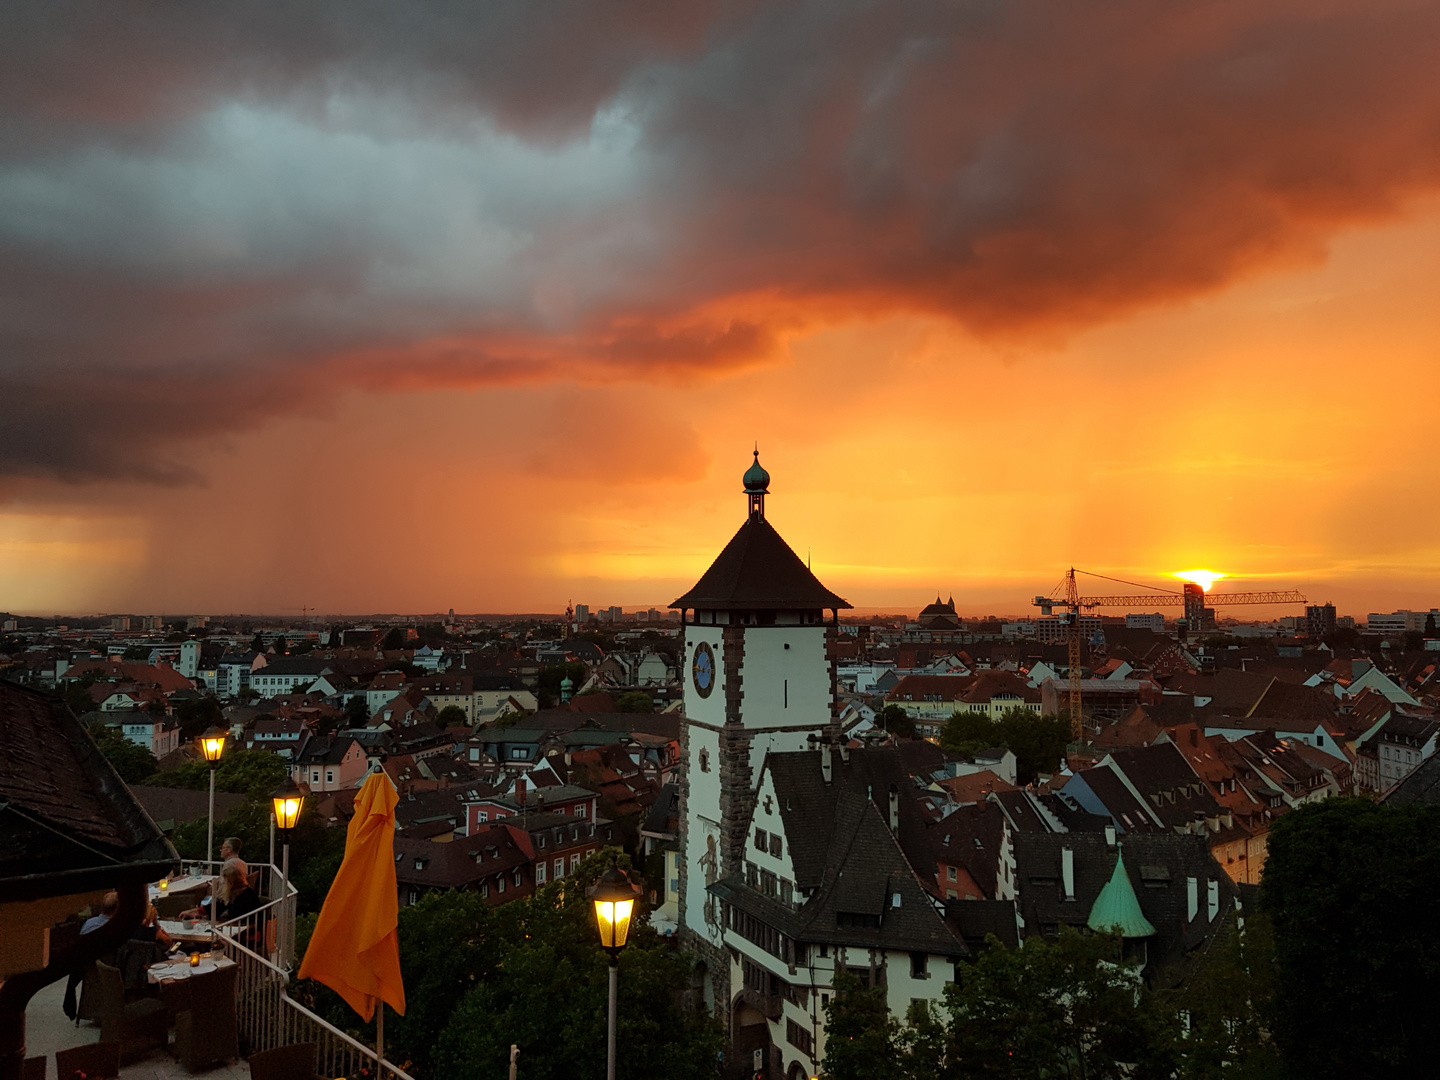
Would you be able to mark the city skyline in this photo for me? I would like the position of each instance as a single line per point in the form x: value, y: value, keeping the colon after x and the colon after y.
x: 319, y: 316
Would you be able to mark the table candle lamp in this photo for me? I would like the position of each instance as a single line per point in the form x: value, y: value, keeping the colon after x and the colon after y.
x: 194, y: 959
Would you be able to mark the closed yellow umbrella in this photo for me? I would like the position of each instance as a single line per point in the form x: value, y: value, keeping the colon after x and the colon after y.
x: 354, y: 949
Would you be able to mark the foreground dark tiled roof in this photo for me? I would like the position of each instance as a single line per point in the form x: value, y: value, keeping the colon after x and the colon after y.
x: 63, y: 810
x: 1422, y: 786
x: 757, y: 570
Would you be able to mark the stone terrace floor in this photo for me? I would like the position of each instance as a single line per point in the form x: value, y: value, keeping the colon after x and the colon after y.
x: 47, y: 1030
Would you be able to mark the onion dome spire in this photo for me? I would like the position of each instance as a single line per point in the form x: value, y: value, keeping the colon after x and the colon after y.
x: 757, y: 485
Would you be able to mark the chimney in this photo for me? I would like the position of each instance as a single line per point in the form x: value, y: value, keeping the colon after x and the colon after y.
x: 845, y: 751
x: 1067, y: 872
x: 520, y: 791
x: 1110, y: 835
x: 894, y: 809
x: 1194, y: 736
x: 825, y: 762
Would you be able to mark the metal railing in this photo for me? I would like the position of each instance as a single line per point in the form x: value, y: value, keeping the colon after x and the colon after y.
x: 263, y: 946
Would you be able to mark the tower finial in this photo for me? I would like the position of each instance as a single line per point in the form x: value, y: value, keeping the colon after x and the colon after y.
x: 757, y: 485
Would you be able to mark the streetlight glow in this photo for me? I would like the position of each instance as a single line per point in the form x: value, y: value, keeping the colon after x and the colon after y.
x: 212, y: 744
x: 288, y: 800
x: 613, y: 918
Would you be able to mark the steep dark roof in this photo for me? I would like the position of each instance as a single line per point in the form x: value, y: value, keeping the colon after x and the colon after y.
x: 174, y: 805
x: 1421, y: 786
x: 864, y: 872
x: 1157, y: 864
x: 757, y: 570
x: 67, y: 822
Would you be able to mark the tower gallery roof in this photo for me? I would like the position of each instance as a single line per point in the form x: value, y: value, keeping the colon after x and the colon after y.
x: 757, y: 570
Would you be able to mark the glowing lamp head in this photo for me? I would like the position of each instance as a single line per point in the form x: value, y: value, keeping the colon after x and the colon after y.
x: 614, y: 900
x: 288, y: 800
x: 1203, y: 578
x: 212, y: 744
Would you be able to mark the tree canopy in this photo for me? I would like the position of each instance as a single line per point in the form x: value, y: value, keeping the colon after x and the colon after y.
x: 1350, y: 886
x: 1038, y: 742
x: 480, y: 977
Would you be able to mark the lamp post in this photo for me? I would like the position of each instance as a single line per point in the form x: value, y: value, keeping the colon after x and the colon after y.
x: 212, y: 745
x: 288, y: 800
x: 614, y: 899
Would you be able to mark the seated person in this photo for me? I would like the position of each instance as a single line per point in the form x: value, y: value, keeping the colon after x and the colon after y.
x: 149, y: 929
x: 234, y: 897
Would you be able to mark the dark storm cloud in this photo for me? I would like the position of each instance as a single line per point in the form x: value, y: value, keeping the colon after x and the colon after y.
x: 211, y: 214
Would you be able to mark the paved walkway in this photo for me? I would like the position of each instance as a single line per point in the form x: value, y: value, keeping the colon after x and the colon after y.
x: 47, y: 1030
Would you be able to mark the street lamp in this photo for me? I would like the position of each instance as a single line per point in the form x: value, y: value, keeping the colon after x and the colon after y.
x: 212, y: 745
x: 614, y: 900
x: 288, y: 800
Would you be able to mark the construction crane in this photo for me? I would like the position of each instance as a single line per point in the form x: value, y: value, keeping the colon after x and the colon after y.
x: 1192, y: 597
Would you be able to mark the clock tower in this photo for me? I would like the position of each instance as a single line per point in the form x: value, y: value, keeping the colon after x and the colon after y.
x: 759, y: 675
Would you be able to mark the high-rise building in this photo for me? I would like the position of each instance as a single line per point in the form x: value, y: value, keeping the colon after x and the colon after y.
x: 759, y: 676
x: 1319, y: 620
x: 582, y: 613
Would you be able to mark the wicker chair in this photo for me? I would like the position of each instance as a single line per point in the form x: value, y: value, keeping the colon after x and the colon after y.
x: 136, y: 1028
x: 96, y: 1059
x: 208, y: 1030
x: 293, y: 1062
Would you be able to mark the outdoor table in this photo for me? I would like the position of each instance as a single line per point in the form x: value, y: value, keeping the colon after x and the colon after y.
x: 188, y: 883
x: 201, y: 932
x: 172, y: 978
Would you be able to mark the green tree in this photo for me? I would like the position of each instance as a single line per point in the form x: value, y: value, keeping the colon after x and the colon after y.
x: 636, y: 701
x: 393, y: 640
x: 134, y: 763
x: 550, y: 677
x: 1350, y: 887
x: 862, y: 1039
x: 968, y: 732
x: 136, y: 652
x: 1430, y: 629
x: 357, y: 711
x: 198, y: 715
x: 452, y: 716
x: 1039, y: 742
x: 1063, y: 1008
x: 257, y: 643
x: 897, y: 721
x: 244, y: 772
x: 1228, y: 1000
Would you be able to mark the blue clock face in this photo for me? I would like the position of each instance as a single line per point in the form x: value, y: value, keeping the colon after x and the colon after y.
x: 702, y: 669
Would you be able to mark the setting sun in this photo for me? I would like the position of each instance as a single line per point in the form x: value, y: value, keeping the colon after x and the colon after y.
x: 1203, y: 578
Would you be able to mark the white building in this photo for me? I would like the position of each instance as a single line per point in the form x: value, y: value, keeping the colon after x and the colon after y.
x: 152, y: 733
x: 793, y: 865
x: 1137, y: 621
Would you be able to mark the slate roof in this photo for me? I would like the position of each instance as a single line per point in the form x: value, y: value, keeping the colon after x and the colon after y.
x: 972, y: 837
x: 325, y: 751
x: 63, y: 809
x: 758, y: 571
x: 1422, y: 786
x: 863, y: 873
x: 1157, y: 865
x: 807, y: 804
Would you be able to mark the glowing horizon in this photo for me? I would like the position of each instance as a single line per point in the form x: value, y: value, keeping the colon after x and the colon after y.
x: 1203, y: 578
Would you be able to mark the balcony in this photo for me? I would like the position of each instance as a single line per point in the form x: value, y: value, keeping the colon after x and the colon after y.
x: 261, y: 945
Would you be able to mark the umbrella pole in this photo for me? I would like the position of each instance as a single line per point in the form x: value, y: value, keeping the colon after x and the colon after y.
x: 379, y: 1035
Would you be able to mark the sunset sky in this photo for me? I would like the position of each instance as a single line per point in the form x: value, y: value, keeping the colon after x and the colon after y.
x: 379, y: 308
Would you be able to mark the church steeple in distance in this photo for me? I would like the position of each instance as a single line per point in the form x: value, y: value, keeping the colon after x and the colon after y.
x: 757, y: 486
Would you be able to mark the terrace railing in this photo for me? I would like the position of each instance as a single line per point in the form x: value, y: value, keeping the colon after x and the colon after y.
x: 263, y: 945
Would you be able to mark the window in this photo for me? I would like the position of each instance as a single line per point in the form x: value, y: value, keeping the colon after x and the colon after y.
x: 482, y: 816
x: 499, y: 883
x: 329, y: 776
x: 579, y: 809
x: 704, y: 760
x: 919, y: 965
x: 559, y: 868
x: 541, y: 840
x: 414, y: 897
x: 952, y: 874
x: 776, y: 845
x: 540, y: 873
x: 762, y: 843
x: 517, y: 754
x: 484, y: 889
x: 800, y: 1038
x: 574, y: 861
x: 517, y: 877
